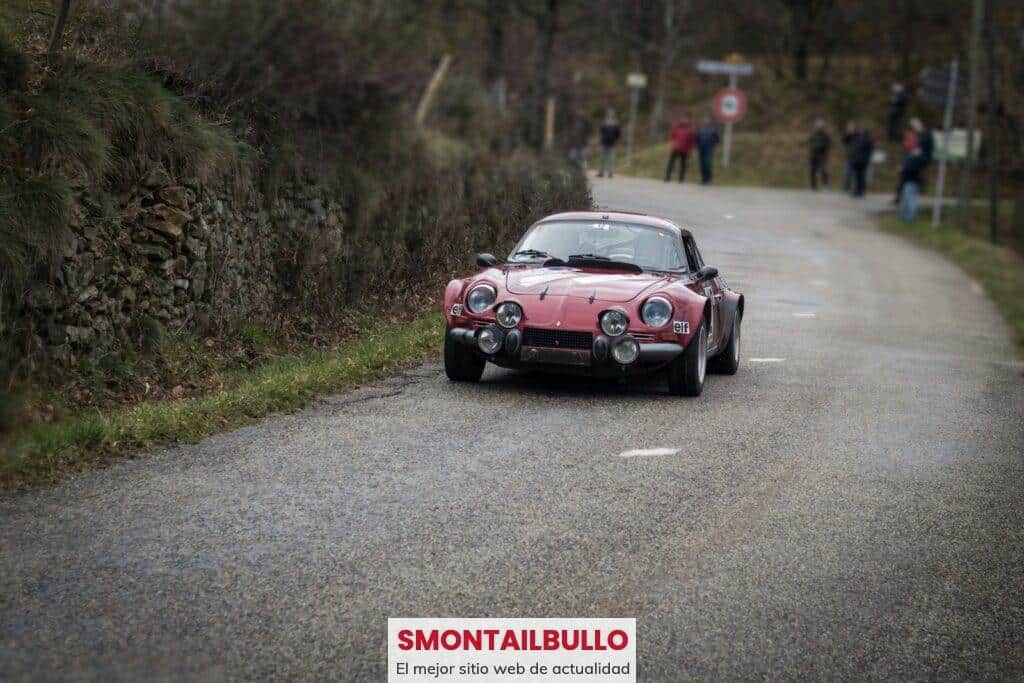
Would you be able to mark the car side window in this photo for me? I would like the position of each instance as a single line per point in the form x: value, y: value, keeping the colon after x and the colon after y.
x: 692, y: 257
x: 696, y: 253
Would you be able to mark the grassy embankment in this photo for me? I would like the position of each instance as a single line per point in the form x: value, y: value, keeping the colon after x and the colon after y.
x: 998, y: 268
x: 48, y: 451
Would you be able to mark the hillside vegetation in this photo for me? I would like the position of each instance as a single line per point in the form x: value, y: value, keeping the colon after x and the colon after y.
x: 146, y: 146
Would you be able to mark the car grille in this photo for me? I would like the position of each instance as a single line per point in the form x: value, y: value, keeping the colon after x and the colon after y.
x: 557, y: 339
x: 643, y: 337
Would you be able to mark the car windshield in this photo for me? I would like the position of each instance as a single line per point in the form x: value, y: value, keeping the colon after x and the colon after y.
x: 648, y: 247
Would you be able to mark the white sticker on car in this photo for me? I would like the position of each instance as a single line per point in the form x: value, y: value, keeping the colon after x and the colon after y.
x: 456, y: 309
x: 681, y: 327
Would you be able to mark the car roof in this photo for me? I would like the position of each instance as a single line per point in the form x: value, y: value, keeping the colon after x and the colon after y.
x: 618, y: 217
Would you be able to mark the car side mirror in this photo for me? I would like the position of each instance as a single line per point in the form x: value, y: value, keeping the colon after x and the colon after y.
x: 707, y: 272
x: 486, y: 260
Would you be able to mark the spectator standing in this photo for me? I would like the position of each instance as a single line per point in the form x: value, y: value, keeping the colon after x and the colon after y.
x: 610, y: 133
x: 913, y: 169
x: 581, y: 139
x: 707, y: 139
x: 849, y: 134
x: 897, y: 107
x: 925, y: 139
x: 909, y: 145
x: 818, y: 146
x: 683, y: 138
x: 861, y: 148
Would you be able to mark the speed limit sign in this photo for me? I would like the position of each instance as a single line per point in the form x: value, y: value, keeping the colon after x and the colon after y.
x: 730, y: 104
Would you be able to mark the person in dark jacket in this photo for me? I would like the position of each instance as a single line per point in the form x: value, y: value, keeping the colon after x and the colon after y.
x: 912, y: 171
x: 610, y: 133
x: 897, y: 107
x: 683, y: 138
x: 849, y: 134
x: 818, y: 145
x: 925, y: 139
x: 918, y: 150
x: 707, y: 139
x: 859, y: 155
x: 909, y: 145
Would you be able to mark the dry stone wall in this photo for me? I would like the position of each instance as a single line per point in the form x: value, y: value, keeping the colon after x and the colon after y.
x: 181, y: 254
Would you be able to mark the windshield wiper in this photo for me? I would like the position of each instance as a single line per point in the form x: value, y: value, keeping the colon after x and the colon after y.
x: 595, y: 261
x: 536, y: 253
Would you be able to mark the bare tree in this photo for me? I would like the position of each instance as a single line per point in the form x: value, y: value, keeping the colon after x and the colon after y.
x: 58, y: 28
x: 496, y: 15
x: 991, y: 115
x: 1018, y: 78
x: 974, y: 48
x: 544, y: 14
x: 806, y: 19
x: 675, y: 14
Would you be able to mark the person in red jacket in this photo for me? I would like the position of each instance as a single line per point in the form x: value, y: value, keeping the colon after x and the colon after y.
x: 682, y: 137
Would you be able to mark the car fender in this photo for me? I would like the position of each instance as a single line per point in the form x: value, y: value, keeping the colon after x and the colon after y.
x: 452, y: 296
x: 690, y: 308
x: 732, y: 306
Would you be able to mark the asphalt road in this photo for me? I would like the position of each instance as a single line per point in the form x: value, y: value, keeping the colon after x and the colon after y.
x: 852, y: 510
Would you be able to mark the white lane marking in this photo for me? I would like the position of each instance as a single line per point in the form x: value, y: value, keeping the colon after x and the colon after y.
x: 805, y: 315
x: 647, y: 452
x: 765, y: 360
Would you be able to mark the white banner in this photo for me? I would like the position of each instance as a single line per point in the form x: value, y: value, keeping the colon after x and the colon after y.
x: 449, y: 650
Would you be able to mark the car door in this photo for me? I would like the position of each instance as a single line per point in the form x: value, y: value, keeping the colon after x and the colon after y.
x: 712, y: 290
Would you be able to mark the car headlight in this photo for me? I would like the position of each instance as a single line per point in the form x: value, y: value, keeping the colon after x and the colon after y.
x: 489, y: 340
x: 508, y: 314
x: 656, y: 312
x: 481, y: 298
x: 626, y: 350
x: 614, y: 323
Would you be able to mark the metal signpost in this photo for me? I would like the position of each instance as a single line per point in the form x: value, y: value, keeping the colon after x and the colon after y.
x: 730, y: 104
x: 944, y: 152
x: 635, y: 81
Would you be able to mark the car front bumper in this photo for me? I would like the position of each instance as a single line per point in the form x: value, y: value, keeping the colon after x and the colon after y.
x: 596, y: 360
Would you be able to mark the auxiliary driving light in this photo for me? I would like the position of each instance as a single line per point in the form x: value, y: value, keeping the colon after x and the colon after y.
x: 626, y: 350
x: 614, y: 323
x: 512, y: 342
x: 489, y: 340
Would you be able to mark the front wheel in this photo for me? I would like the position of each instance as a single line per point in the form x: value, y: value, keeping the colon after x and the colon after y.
x: 686, y: 373
x: 728, y: 361
x: 461, y: 364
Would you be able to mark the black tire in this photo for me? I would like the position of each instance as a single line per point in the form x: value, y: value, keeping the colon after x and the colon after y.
x: 460, y: 363
x: 728, y: 361
x: 686, y: 373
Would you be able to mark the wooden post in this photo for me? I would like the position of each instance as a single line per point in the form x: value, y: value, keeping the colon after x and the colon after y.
x: 431, y: 91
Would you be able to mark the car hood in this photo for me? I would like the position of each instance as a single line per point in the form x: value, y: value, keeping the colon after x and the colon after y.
x: 581, y: 283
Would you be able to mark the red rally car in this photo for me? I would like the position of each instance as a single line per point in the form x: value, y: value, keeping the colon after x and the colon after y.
x: 608, y: 294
